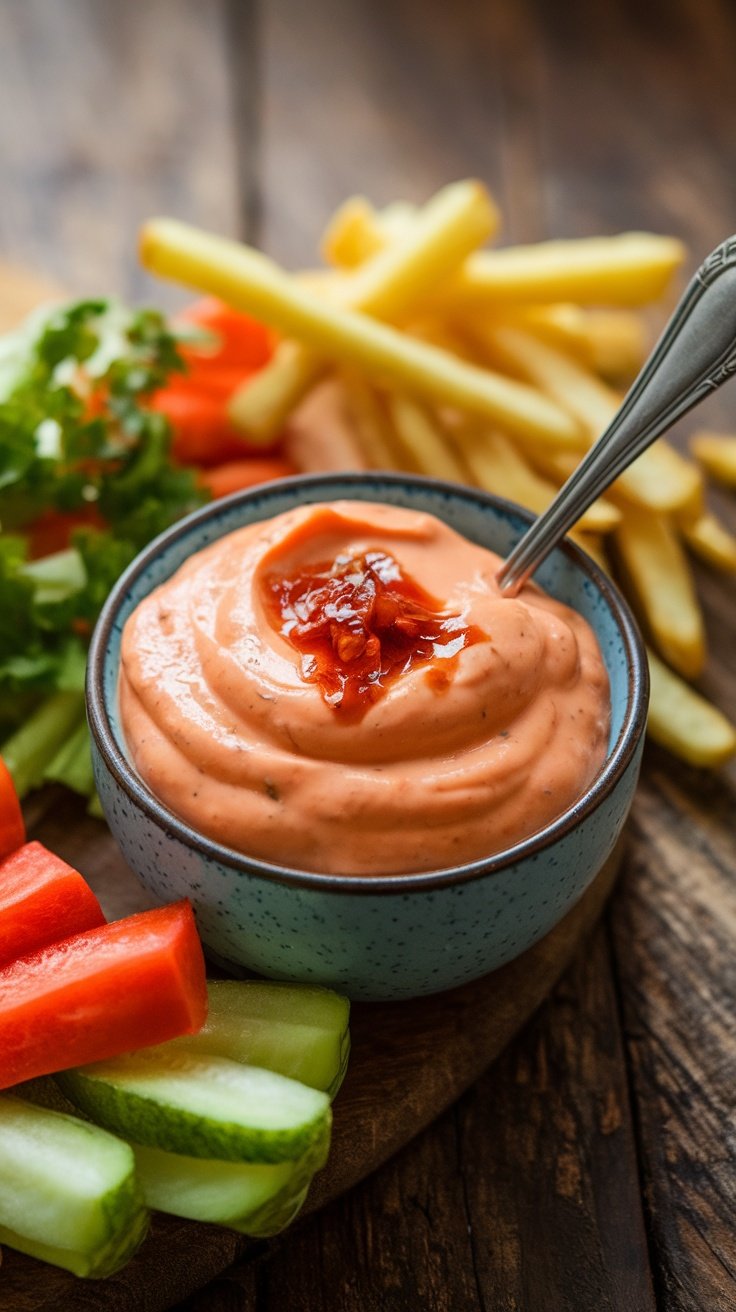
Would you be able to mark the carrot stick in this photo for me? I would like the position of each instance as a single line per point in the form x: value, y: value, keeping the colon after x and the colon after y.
x: 242, y: 340
x: 236, y: 475
x: 202, y: 432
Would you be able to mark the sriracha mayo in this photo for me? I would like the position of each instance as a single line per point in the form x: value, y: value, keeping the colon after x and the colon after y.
x: 343, y: 689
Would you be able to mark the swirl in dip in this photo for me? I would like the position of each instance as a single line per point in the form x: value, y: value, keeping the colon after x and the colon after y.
x: 343, y: 689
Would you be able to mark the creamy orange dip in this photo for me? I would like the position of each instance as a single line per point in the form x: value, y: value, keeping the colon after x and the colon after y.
x: 225, y: 726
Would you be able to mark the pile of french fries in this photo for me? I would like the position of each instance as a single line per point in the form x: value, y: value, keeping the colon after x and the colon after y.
x: 494, y: 367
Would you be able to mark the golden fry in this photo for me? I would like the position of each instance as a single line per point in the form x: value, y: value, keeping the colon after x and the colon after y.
x: 681, y: 720
x: 262, y: 405
x: 421, y: 438
x: 632, y: 268
x: 659, y: 577
x: 660, y: 479
x: 371, y: 423
x: 708, y: 538
x: 356, y: 232
x: 594, y: 546
x: 499, y: 467
x: 353, y: 234
x: 717, y: 453
x: 616, y: 342
x: 320, y: 436
x: 454, y: 222
x: 250, y: 281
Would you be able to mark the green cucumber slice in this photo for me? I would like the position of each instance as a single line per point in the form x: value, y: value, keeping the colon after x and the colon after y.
x: 256, y: 1200
x: 297, y: 1030
x: 105, y: 1262
x: 68, y: 1191
x: 200, y: 1106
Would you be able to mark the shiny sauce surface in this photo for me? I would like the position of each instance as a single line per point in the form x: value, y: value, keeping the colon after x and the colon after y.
x: 298, y: 691
x: 359, y: 623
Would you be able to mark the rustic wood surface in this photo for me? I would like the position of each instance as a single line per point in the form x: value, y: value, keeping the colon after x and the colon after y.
x: 408, y: 1063
x: 594, y: 1165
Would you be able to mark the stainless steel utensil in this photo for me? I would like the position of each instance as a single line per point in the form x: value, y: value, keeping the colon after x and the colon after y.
x: 695, y: 354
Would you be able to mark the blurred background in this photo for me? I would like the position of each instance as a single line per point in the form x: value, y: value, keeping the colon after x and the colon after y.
x: 257, y: 117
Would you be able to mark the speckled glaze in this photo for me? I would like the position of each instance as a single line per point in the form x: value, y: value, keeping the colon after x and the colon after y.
x: 393, y: 936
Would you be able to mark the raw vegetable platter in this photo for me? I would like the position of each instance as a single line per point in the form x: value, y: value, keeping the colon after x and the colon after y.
x: 395, y: 1083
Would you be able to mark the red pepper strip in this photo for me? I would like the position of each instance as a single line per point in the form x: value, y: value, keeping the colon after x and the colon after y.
x: 42, y: 900
x: 107, y: 991
x: 12, y: 827
x: 244, y: 341
x: 239, y: 474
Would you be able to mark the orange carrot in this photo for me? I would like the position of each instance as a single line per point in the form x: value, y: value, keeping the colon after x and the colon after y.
x: 236, y: 475
x: 203, y: 434
x: 219, y: 381
x: 244, y: 341
x: 12, y: 826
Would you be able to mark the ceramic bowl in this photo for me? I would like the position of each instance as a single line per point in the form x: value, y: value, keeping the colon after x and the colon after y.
x: 384, y: 936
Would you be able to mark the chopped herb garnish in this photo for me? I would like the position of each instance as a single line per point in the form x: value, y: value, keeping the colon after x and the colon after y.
x: 81, y: 447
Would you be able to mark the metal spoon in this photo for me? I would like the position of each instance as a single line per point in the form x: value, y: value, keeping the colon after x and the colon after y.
x: 695, y: 354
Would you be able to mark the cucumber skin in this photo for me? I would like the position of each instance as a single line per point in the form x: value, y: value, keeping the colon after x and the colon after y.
x: 122, y: 1220
x: 170, y: 1182
x: 296, y: 1030
x: 105, y: 1261
x: 152, y: 1124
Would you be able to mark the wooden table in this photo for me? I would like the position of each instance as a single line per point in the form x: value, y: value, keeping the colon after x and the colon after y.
x: 257, y: 120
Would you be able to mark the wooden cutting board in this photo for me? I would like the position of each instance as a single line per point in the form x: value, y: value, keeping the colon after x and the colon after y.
x: 409, y: 1061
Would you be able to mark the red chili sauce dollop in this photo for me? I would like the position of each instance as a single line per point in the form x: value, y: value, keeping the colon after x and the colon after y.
x: 359, y: 623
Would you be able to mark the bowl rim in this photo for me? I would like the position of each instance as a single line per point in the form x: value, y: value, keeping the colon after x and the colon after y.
x: 612, y: 770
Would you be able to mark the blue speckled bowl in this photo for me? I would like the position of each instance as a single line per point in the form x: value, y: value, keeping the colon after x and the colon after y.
x: 386, y: 936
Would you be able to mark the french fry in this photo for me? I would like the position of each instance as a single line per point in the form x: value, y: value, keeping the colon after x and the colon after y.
x: 661, y: 582
x: 386, y: 286
x: 423, y: 440
x: 716, y: 453
x: 344, y: 242
x: 456, y: 221
x: 681, y: 720
x: 593, y: 545
x: 356, y: 232
x: 616, y: 343
x: 261, y: 407
x: 660, y: 479
x: 708, y: 538
x: 632, y: 268
x: 320, y: 436
x: 250, y: 281
x: 371, y: 423
x: 561, y: 324
x: 497, y: 466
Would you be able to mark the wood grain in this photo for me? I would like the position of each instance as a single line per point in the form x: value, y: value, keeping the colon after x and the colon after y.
x: 582, y: 118
x: 110, y: 113
x: 674, y: 930
x: 408, y: 1064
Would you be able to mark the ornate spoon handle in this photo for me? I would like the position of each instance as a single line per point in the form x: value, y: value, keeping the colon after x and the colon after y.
x: 695, y: 354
